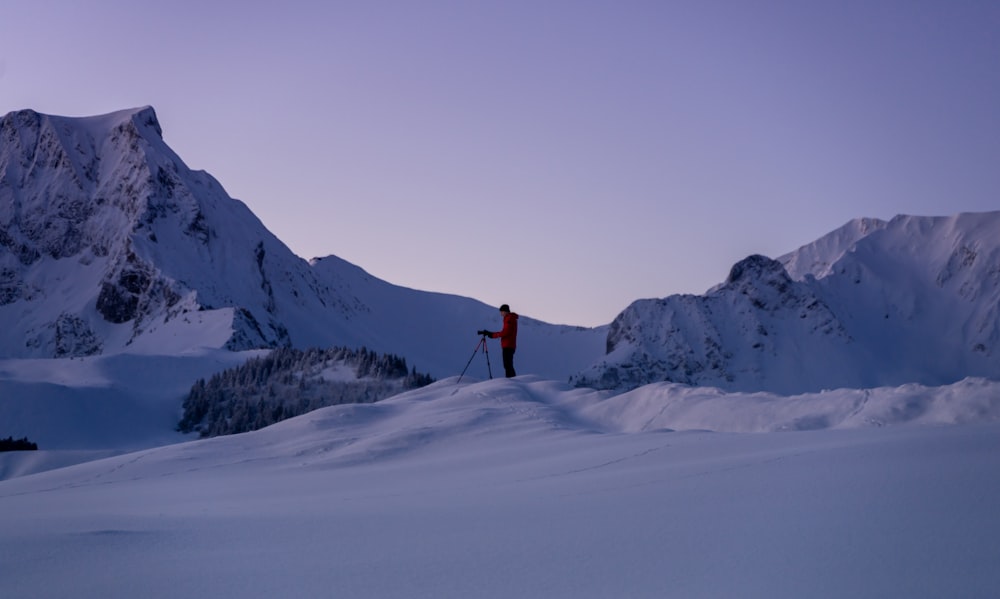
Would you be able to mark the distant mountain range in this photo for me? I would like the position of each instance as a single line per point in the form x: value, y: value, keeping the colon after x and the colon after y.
x: 110, y: 244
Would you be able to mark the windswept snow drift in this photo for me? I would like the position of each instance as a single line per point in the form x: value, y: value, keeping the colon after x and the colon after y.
x: 528, y: 488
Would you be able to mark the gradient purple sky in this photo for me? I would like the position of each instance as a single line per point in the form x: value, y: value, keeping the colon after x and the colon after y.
x: 564, y: 157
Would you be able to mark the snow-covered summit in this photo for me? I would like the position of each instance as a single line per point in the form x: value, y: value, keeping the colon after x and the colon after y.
x: 911, y: 300
x: 817, y: 257
x: 110, y: 236
x: 746, y: 330
x: 110, y: 243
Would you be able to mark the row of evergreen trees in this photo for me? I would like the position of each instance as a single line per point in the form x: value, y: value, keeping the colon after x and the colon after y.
x: 290, y: 382
x: 12, y: 444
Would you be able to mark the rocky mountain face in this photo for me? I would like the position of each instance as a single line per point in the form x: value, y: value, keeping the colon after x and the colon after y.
x: 107, y: 235
x: 110, y: 243
x: 914, y: 299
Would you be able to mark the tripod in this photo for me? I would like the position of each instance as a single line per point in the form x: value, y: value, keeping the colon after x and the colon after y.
x: 486, y: 350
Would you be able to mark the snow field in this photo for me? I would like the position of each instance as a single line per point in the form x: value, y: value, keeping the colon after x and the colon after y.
x: 526, y: 488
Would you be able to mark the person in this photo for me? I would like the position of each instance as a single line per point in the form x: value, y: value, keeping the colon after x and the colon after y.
x: 508, y: 339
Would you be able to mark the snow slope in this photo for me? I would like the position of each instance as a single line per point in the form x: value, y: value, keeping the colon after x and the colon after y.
x: 529, y: 488
x: 82, y: 408
x: 436, y: 332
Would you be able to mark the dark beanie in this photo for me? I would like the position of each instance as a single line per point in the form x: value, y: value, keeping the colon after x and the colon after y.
x: 505, y: 308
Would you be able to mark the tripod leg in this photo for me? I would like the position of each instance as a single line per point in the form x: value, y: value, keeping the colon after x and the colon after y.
x: 474, y: 352
x: 487, y: 352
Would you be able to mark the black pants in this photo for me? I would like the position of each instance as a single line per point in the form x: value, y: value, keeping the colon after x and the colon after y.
x: 508, y: 361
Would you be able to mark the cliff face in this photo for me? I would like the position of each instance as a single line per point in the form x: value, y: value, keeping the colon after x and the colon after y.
x: 105, y: 235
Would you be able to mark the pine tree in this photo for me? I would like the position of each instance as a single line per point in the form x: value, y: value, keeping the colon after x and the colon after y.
x: 22, y: 444
x: 289, y: 382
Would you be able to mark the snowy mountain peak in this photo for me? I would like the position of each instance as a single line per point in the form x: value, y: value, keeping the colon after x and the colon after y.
x: 110, y: 243
x: 145, y: 117
x: 743, y: 332
x: 66, y: 183
x: 99, y: 210
x: 873, y: 303
x: 757, y: 268
x: 141, y: 117
x: 817, y: 257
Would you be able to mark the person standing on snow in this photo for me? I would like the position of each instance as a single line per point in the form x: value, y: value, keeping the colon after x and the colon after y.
x: 508, y: 339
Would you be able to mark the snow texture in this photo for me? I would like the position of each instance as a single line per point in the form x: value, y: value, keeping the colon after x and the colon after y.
x: 529, y: 488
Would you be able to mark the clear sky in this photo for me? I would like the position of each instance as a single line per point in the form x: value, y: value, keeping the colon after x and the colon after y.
x: 564, y: 157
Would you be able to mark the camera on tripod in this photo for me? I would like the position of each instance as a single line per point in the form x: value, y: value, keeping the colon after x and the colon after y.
x: 481, y: 346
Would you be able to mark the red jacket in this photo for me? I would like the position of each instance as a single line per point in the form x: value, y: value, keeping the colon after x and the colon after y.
x: 508, y: 336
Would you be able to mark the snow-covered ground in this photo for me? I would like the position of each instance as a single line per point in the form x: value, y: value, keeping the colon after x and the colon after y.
x: 529, y: 488
x: 77, y: 409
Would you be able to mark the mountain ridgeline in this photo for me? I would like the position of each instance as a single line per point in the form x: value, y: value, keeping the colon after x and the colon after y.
x: 289, y: 382
x: 110, y: 244
x: 875, y: 303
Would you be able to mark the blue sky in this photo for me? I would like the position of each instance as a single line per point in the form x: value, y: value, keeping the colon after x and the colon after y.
x: 565, y: 158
